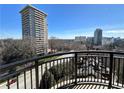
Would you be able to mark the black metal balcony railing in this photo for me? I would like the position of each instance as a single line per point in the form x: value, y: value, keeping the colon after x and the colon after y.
x: 65, y: 69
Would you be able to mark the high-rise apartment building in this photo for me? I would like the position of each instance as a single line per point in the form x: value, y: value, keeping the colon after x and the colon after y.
x: 34, y: 28
x: 98, y: 37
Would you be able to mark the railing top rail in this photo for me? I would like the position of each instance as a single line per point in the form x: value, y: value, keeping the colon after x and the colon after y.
x: 17, y: 63
x: 99, y: 51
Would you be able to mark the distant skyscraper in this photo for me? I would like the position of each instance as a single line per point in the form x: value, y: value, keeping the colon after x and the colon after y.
x: 98, y: 37
x: 34, y: 28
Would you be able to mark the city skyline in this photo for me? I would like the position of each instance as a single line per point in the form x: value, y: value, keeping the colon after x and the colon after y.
x: 67, y: 21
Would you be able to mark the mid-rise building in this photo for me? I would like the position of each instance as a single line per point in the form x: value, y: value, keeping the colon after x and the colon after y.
x: 80, y: 38
x: 90, y: 40
x: 34, y: 28
x: 98, y: 37
x: 107, y: 40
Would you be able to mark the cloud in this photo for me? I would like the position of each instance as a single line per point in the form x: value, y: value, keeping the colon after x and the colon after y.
x: 89, y: 32
x: 119, y: 31
x: 114, y: 33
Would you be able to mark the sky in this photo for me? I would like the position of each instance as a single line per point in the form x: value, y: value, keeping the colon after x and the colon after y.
x: 68, y: 20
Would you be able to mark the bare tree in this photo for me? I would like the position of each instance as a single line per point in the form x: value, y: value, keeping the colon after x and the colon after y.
x: 52, y: 43
x: 13, y: 50
x: 56, y: 44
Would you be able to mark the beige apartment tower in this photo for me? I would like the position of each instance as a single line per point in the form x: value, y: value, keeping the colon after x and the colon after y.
x: 34, y: 28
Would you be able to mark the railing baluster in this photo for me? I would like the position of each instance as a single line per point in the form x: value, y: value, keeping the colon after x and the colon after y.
x: 60, y: 70
x: 88, y: 66
x: 50, y: 75
x: 31, y: 78
x: 57, y: 75
x: 79, y: 68
x: 46, y: 86
x: 41, y: 71
x: 114, y: 71
x: 98, y: 69
x: 123, y: 74
x: 67, y: 70
x: 71, y: 74
x: 99, y: 77
x: 24, y: 79
x: 118, y: 71
x: 75, y: 68
x: 82, y: 68
x: 64, y: 71
x: 85, y: 67
x: 53, y: 66
x: 110, y: 73
x: 36, y: 74
x: 8, y: 85
x: 101, y: 67
x: 17, y: 82
x: 94, y: 67
x: 91, y: 67
x: 69, y: 66
x: 73, y: 63
x: 105, y: 68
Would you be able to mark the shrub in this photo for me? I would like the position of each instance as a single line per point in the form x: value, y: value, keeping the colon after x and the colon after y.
x: 56, y: 74
x: 47, y: 80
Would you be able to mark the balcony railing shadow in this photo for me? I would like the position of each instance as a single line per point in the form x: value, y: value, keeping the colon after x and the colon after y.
x: 66, y: 70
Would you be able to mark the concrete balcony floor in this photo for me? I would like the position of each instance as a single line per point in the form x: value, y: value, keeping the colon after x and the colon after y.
x: 99, y: 84
x: 88, y: 86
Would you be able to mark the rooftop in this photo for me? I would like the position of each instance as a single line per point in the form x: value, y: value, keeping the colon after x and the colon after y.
x: 30, y: 6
